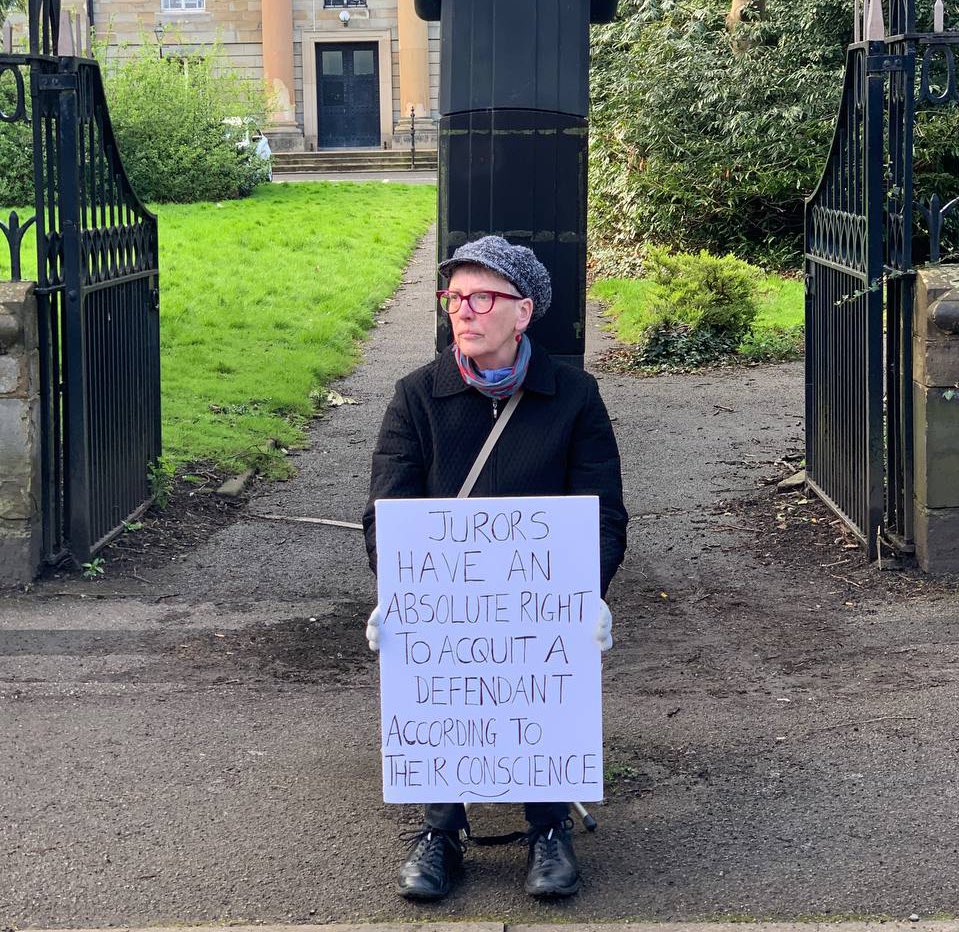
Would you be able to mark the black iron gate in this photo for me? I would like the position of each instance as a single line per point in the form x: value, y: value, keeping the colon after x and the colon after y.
x: 844, y: 460
x: 860, y: 276
x: 97, y: 300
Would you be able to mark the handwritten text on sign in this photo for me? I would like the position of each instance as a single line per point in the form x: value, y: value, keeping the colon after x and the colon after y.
x: 490, y: 676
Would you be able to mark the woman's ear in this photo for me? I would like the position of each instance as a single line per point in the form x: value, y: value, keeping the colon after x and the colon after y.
x: 525, y: 313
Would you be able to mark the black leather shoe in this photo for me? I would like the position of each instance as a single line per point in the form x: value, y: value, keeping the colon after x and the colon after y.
x: 436, y: 858
x: 553, y: 870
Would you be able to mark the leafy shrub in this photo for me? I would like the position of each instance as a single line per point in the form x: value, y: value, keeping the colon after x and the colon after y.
x: 719, y: 292
x: 699, y: 307
x: 698, y: 140
x: 168, y: 115
x: 696, y: 144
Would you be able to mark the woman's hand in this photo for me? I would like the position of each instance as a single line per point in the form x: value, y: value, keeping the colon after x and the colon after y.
x: 373, y: 626
x: 603, y: 632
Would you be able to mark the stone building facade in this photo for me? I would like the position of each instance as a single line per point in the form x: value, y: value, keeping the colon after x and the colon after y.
x: 344, y: 73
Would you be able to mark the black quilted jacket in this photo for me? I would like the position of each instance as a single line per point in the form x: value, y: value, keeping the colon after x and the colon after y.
x: 559, y: 441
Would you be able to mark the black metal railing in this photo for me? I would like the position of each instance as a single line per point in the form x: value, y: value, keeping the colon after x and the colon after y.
x: 844, y: 462
x: 860, y: 271
x: 97, y: 295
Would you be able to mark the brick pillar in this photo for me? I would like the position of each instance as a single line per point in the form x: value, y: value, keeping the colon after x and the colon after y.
x: 277, y: 21
x: 20, y: 528
x: 936, y: 406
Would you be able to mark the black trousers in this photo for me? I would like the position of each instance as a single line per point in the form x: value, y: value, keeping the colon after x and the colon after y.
x: 451, y: 817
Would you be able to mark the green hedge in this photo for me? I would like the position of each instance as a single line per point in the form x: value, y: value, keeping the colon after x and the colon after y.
x: 697, y: 145
x: 698, y: 142
x: 699, y: 307
x: 168, y: 116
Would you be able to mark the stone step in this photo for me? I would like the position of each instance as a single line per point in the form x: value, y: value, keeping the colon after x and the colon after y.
x: 355, y: 167
x: 285, y: 170
x: 308, y: 163
x: 351, y: 160
x: 352, y: 157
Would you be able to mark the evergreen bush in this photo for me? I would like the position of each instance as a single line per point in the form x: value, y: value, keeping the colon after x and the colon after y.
x: 703, y: 139
x: 697, y: 144
x: 699, y: 307
x: 168, y: 115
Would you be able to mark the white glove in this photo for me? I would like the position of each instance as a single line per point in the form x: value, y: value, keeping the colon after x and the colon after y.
x: 603, y: 632
x: 373, y: 626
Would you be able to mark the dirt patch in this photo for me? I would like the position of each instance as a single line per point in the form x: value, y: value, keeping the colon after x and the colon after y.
x: 297, y: 650
x: 798, y: 532
x: 193, y: 514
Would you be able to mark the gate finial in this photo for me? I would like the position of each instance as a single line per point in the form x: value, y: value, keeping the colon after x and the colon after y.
x: 939, y: 17
x: 875, y: 25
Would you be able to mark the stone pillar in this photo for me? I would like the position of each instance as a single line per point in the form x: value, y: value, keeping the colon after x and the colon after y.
x: 936, y: 412
x: 20, y: 529
x: 282, y: 130
x: 412, y: 34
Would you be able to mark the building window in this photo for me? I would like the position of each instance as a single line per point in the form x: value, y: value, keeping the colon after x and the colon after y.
x: 363, y: 61
x: 332, y: 62
x: 183, y: 6
x: 340, y: 4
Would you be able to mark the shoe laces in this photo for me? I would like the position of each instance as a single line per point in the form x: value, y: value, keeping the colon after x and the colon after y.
x: 543, y: 840
x: 430, y: 844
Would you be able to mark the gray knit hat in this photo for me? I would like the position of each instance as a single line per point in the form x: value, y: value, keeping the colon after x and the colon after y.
x: 517, y: 264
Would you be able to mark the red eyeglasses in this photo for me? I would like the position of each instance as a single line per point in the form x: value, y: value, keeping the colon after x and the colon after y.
x: 480, y: 302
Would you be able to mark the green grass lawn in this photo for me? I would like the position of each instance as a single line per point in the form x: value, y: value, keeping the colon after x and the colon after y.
x: 263, y: 303
x: 777, y: 332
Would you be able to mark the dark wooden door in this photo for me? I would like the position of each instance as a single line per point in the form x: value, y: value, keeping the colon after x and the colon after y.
x: 347, y: 94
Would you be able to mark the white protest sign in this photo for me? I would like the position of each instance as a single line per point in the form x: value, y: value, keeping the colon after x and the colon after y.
x: 490, y: 676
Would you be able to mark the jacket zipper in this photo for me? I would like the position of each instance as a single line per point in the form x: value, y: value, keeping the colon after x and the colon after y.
x: 495, y: 409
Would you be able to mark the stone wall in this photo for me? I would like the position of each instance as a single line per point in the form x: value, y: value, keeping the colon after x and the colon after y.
x: 19, y: 435
x: 126, y: 25
x: 936, y: 411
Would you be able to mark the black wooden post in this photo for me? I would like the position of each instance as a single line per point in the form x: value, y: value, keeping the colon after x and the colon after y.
x: 514, y: 99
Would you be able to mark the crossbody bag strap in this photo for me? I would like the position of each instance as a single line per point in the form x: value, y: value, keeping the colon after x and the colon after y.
x: 494, y: 435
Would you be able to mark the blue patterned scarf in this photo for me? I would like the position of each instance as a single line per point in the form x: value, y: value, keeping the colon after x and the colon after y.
x: 501, y: 388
